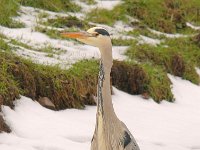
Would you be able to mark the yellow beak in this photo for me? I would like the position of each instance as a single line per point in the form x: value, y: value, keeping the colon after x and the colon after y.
x: 76, y: 35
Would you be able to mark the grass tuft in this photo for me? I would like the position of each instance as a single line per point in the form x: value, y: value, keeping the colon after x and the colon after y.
x: 169, y: 16
x: 52, y: 5
x: 8, y: 10
x: 122, y: 42
x: 179, y: 57
x: 144, y: 79
x: 69, y: 22
x: 65, y: 88
x: 3, y: 45
x: 129, y: 77
x: 89, y: 2
x: 50, y: 32
x: 196, y: 40
x: 104, y: 16
x: 158, y: 85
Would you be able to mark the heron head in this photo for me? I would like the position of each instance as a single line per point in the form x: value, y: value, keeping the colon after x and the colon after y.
x: 96, y: 36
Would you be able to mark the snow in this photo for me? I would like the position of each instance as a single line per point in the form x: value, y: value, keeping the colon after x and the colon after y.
x: 122, y: 27
x: 105, y: 4
x: 164, y: 126
x: 108, y: 4
x: 192, y: 26
x: 144, y: 39
x: 167, y: 34
x: 119, y: 52
x: 71, y: 51
x: 40, y: 57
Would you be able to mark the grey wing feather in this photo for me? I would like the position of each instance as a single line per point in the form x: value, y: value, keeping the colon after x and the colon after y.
x: 129, y: 141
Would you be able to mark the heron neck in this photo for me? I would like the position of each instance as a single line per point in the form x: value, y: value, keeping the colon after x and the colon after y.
x: 104, y: 105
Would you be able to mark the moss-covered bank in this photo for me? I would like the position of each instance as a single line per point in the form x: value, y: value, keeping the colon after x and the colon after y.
x: 71, y: 88
x: 76, y: 87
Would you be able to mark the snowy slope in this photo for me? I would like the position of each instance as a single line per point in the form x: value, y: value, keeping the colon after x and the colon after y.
x: 71, y: 52
x: 166, y: 126
x: 66, y: 52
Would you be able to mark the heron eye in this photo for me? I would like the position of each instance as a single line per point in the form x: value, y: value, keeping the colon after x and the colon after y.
x: 95, y: 34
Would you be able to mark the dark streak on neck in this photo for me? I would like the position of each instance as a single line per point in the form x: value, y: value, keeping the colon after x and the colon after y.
x: 101, y: 79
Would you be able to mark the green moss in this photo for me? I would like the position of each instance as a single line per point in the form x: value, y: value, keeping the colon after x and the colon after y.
x: 52, y: 5
x: 47, y: 49
x: 104, y: 16
x: 18, y: 43
x: 159, y: 85
x: 142, y: 78
x: 65, y: 88
x: 179, y: 57
x: 169, y: 16
x: 122, y: 42
x: 70, y: 88
x: 81, y: 68
x: 50, y: 32
x: 15, y: 24
x: 188, y: 48
x: 9, y: 89
x: 69, y: 22
x: 145, y: 11
x: 192, y: 11
x: 42, y: 15
x: 3, y: 45
x: 74, y: 87
x: 89, y: 2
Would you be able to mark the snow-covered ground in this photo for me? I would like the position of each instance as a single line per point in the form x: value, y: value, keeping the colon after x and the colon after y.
x: 192, y: 26
x: 106, y: 4
x: 68, y: 52
x: 71, y: 51
x: 167, y: 34
x: 166, y: 126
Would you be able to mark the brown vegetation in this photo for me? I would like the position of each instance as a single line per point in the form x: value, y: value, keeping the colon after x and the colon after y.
x: 169, y: 15
x: 197, y: 39
x: 69, y: 21
x: 177, y: 65
x: 3, y: 126
x: 129, y: 78
x: 172, y: 61
x: 65, y: 88
x: 35, y: 81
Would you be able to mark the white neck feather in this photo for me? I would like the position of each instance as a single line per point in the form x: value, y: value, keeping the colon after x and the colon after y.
x: 104, y: 91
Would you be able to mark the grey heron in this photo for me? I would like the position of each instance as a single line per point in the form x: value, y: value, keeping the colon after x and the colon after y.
x: 110, y: 133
